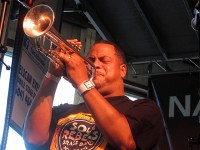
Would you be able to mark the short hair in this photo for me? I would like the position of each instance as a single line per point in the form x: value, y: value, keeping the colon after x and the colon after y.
x: 119, y: 52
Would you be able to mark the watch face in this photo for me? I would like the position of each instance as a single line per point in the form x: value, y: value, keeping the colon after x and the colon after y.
x: 89, y: 84
x: 85, y: 86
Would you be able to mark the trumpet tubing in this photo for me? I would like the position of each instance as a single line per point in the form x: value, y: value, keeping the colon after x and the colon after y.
x: 39, y: 22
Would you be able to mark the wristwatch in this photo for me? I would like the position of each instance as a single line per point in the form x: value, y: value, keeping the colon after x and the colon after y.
x: 85, y: 86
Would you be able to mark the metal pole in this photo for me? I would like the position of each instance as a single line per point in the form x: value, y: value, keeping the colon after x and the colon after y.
x: 3, y: 50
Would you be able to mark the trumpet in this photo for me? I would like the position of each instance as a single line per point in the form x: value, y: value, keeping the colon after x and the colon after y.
x: 38, y: 22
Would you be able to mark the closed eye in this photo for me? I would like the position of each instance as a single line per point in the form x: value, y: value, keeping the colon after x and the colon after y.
x: 105, y: 59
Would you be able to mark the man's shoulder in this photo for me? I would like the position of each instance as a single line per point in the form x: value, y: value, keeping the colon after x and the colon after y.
x: 127, y: 100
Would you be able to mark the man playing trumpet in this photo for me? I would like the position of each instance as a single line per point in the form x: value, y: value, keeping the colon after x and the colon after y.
x: 106, y: 120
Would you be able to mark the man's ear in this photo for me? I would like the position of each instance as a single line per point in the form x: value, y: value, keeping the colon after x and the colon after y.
x: 123, y: 70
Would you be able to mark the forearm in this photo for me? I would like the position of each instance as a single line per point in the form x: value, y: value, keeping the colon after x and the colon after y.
x: 39, y: 116
x: 113, y: 125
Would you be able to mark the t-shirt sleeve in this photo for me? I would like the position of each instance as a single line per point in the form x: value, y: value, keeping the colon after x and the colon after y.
x: 146, y: 123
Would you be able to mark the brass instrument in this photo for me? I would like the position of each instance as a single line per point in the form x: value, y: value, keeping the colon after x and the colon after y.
x: 38, y: 22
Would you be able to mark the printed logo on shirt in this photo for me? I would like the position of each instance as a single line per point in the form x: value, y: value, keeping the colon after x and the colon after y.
x: 78, y: 132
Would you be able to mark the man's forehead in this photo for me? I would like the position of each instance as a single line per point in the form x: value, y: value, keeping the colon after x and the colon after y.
x: 101, y: 54
x: 102, y: 49
x: 103, y: 45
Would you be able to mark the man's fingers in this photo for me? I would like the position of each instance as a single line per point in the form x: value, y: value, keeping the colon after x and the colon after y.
x: 65, y: 56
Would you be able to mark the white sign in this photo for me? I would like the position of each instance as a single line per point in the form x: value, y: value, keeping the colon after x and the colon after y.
x: 33, y: 65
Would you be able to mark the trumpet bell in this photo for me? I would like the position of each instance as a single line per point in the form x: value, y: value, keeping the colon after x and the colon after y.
x: 38, y: 20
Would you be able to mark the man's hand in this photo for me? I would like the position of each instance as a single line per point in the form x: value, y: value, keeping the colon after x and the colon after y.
x: 76, y: 69
x: 57, y: 66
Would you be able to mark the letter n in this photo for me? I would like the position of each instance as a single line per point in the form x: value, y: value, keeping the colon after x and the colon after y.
x: 174, y: 100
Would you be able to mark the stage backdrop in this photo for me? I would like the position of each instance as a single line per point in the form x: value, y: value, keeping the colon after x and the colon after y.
x: 178, y: 97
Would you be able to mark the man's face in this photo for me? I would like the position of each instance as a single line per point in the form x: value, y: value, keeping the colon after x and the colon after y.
x: 109, y: 69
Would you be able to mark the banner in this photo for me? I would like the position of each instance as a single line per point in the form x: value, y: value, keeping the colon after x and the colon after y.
x: 31, y: 70
x: 178, y: 97
x: 28, y: 69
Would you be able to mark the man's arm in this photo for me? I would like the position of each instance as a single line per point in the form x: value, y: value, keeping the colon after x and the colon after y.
x: 37, y: 123
x: 113, y: 125
x: 38, y: 119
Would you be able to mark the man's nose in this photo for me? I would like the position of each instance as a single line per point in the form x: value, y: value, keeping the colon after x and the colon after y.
x: 96, y: 63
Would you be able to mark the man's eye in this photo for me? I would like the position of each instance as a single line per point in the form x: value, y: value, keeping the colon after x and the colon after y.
x: 106, y: 59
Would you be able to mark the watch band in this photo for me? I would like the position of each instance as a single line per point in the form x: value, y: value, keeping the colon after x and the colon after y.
x: 85, y: 86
